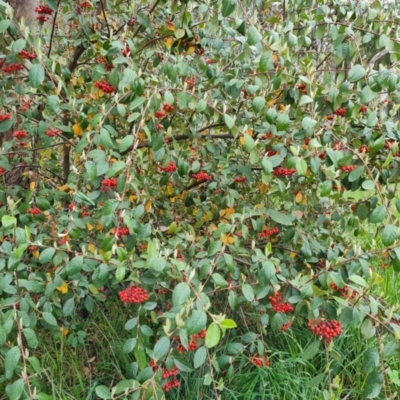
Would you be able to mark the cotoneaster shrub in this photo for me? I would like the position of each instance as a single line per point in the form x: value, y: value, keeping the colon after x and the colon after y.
x: 196, y: 159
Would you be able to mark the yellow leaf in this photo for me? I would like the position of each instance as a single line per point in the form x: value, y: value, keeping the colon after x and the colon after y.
x: 191, y: 50
x: 292, y: 254
x: 170, y: 26
x: 99, y: 227
x: 170, y: 189
x: 148, y: 206
x: 241, y: 139
x: 89, y: 226
x: 36, y: 254
x: 249, y: 132
x: 229, y: 211
x: 263, y: 188
x: 132, y: 197
x: 299, y: 197
x: 227, y: 239
x: 168, y: 42
x: 91, y: 247
x: 63, y: 288
x: 77, y: 130
x: 63, y: 331
x: 32, y: 186
x: 142, y: 137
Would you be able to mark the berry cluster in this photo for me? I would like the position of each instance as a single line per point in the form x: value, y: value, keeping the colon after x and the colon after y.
x: 363, y: 109
x: 327, y: 329
x: 389, y: 144
x: 348, y: 168
x: 5, y: 117
x: 190, y: 82
x: 25, y: 104
x: 153, y: 365
x: 20, y: 134
x: 44, y: 12
x: 302, y: 87
x: 286, y: 326
x: 126, y: 51
x: 109, y: 183
x: 192, y: 346
x: 284, y: 171
x: 200, y: 335
x: 33, y: 211
x: 240, y: 179
x: 32, y: 248
x: 63, y: 241
x: 344, y: 291
x: 2, y: 170
x: 171, y: 167
x: 52, y: 132
x: 259, y: 361
x: 278, y: 305
x: 131, y: 22
x: 133, y: 294
x: 121, y: 231
x: 202, y: 176
x: 330, y: 117
x: 27, y: 55
x: 85, y: 212
x: 167, y: 374
x: 12, y: 68
x: 86, y: 4
x: 167, y: 107
x: 363, y: 149
x: 340, y: 111
x: 171, y: 384
x: 104, y: 86
x: 108, y: 66
x: 159, y: 114
x: 269, y: 232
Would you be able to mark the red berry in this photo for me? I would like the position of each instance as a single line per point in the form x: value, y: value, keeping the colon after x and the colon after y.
x: 326, y: 329
x: 284, y: 171
x: 133, y: 294
x: 171, y: 167
x: 33, y: 211
x: 104, y: 86
x: 109, y: 183
x: 202, y: 176
x: 269, y: 232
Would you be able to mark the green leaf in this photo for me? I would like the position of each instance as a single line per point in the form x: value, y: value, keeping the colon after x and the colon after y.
x: 282, y: 122
x: 265, y: 64
x: 74, y: 266
x: 200, y: 357
x: 230, y: 122
x: 279, y: 217
x: 137, y: 102
x: 228, y: 323
x: 356, y: 73
x: 18, y: 45
x: 125, y: 143
x: 389, y: 234
x: 372, y: 387
x: 258, y: 104
x: 69, y: 307
x: 228, y: 6
x: 120, y: 273
x: 196, y: 322
x: 4, y: 24
x: 378, y: 215
x: 46, y: 255
x: 105, y: 138
x: 49, y: 318
x: 248, y: 292
x: 311, y: 350
x: 301, y: 167
x: 367, y: 95
x: 180, y: 294
x: 371, y: 360
x: 367, y: 329
x: 115, y: 168
x: 253, y: 36
x: 8, y: 220
x: 129, y: 345
x: 248, y: 143
x: 36, y: 75
x: 109, y: 206
x: 356, y: 173
x: 305, y: 100
x: 162, y: 347
x: 266, y: 166
x: 213, y: 335
x: 11, y: 361
x: 103, y: 392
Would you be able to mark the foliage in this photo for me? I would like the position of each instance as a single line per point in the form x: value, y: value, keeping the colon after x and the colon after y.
x: 195, y: 157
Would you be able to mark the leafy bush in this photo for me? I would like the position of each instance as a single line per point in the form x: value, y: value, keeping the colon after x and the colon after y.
x: 205, y: 162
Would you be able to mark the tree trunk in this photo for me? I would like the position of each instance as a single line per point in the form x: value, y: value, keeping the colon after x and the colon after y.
x: 26, y: 9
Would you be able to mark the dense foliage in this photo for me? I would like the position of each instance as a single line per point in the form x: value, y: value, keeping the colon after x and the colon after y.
x: 199, y: 159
